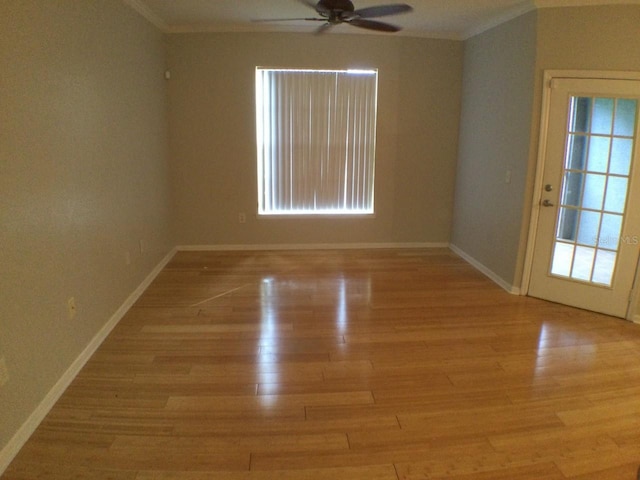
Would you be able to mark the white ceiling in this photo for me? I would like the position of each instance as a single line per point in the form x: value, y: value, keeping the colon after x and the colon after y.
x: 455, y: 19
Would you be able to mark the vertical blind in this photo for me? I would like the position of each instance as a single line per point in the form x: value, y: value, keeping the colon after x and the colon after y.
x: 316, y: 132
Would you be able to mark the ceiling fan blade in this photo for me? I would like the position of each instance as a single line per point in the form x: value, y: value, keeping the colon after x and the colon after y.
x: 383, y: 10
x: 264, y: 20
x: 373, y: 25
x: 323, y: 29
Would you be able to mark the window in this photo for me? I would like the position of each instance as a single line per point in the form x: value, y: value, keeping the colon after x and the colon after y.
x: 316, y: 132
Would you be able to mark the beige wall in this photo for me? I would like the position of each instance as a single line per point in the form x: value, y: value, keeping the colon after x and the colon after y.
x: 83, y: 178
x: 589, y: 38
x: 494, y: 142
x: 212, y: 139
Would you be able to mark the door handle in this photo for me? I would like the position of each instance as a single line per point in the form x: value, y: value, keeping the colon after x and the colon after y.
x: 547, y: 203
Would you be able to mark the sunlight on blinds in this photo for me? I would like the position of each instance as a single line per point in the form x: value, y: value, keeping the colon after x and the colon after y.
x: 316, y: 138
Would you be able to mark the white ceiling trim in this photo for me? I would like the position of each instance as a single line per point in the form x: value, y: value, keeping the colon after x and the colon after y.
x: 148, y: 14
x: 582, y: 3
x: 530, y: 5
x: 525, y: 7
x: 339, y: 30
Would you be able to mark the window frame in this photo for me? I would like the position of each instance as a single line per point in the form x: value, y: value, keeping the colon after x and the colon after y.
x: 367, y: 212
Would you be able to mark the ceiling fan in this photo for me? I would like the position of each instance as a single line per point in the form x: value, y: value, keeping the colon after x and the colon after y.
x: 335, y: 12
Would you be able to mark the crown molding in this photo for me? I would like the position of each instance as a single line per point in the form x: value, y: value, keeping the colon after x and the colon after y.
x: 257, y: 28
x: 530, y: 5
x: 582, y: 3
x: 518, y: 10
x: 143, y: 10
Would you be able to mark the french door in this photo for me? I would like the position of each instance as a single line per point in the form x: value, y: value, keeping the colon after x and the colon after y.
x: 587, y: 236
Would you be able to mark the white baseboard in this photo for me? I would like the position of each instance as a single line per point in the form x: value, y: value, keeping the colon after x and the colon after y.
x: 9, y: 452
x: 308, y: 246
x: 486, y: 271
x: 636, y: 319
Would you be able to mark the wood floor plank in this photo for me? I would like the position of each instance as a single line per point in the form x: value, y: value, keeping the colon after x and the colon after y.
x: 600, y: 461
x: 480, y: 422
x: 195, y: 425
x: 627, y: 471
x: 362, y: 364
x: 256, y: 402
x: 441, y: 452
x: 293, y: 442
x: 370, y: 472
x: 64, y: 471
x: 546, y: 471
x: 555, y: 442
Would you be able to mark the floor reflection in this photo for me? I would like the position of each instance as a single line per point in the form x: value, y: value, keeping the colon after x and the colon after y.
x: 342, y: 318
x: 562, y: 350
x: 331, y: 301
x: 268, y: 341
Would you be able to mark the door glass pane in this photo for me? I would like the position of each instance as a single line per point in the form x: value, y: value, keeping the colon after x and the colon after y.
x: 602, y: 120
x: 568, y: 224
x: 603, y: 267
x: 594, y: 190
x: 572, y: 189
x: 562, y: 259
x: 577, y: 152
x: 583, y: 263
x: 621, y: 152
x: 589, y: 227
x: 625, y: 117
x: 599, y: 154
x: 581, y: 114
x: 610, y: 231
x: 616, y: 194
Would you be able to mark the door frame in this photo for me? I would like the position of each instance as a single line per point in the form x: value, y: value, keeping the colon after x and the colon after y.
x: 549, y: 77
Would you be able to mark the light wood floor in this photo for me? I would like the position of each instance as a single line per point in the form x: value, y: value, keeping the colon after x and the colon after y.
x: 376, y: 365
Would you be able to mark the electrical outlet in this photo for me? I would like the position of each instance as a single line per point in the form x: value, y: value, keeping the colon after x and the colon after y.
x: 242, y: 217
x: 4, y: 372
x: 71, y: 308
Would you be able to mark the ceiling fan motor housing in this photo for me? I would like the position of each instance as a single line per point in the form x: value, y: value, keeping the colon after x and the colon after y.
x: 334, y: 8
